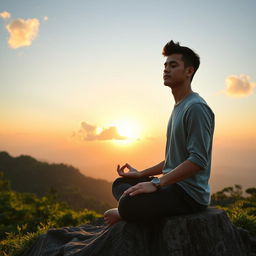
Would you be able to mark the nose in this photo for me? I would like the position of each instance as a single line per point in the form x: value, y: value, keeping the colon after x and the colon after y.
x: 166, y: 69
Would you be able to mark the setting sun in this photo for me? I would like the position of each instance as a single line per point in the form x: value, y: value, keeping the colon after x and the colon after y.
x: 129, y: 129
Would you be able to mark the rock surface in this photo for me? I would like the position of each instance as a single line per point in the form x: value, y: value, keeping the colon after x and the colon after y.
x: 208, y: 233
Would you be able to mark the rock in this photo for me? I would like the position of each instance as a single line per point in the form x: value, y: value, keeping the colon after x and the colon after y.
x: 208, y: 233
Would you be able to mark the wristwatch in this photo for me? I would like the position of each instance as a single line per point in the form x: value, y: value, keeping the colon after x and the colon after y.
x: 156, y: 182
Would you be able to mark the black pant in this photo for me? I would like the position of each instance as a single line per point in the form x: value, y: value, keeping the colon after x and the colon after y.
x: 168, y: 201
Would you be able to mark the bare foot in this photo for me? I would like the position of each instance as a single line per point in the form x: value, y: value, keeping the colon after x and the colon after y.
x: 111, y: 216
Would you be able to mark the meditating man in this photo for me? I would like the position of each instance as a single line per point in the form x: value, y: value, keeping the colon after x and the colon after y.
x: 183, y: 186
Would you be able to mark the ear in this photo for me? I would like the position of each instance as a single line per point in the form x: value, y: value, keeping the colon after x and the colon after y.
x: 190, y: 71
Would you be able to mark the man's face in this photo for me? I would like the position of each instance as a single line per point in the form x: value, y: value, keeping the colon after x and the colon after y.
x: 174, y: 71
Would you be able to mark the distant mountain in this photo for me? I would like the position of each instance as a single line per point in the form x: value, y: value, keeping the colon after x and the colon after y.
x: 26, y: 174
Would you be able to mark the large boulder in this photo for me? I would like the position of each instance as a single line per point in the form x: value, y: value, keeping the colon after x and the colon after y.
x: 208, y: 233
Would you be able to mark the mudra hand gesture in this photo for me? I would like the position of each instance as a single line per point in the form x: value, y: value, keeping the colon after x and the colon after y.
x: 142, y: 187
x: 132, y: 172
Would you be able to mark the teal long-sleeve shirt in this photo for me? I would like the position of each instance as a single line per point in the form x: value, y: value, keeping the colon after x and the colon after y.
x: 189, y: 137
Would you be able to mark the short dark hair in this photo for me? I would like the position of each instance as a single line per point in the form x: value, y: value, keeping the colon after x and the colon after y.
x: 189, y: 57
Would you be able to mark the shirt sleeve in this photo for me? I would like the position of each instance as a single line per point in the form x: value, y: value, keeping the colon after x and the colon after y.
x: 199, y: 125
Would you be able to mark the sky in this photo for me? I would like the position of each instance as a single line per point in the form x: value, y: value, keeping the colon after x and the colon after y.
x: 81, y: 81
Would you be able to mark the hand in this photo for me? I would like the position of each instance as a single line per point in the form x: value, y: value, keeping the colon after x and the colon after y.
x: 132, y: 173
x: 143, y: 187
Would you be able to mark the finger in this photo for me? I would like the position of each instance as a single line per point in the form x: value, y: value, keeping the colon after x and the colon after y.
x: 123, y: 167
x: 121, y: 174
x: 129, y: 166
x: 121, y: 171
x: 127, y: 191
x: 136, y: 192
x: 130, y: 190
x: 118, y: 170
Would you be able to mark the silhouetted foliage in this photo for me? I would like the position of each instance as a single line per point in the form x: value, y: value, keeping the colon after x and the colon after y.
x: 26, y: 174
x: 251, y: 191
x: 227, y: 195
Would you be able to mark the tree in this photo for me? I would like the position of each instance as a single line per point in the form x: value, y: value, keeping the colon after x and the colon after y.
x: 251, y: 191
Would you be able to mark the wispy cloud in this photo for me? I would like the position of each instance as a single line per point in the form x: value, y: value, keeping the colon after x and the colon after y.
x: 239, y: 86
x: 22, y: 32
x: 89, y: 132
x: 5, y: 15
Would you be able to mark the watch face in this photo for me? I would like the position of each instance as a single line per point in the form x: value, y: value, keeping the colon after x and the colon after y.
x: 156, y: 181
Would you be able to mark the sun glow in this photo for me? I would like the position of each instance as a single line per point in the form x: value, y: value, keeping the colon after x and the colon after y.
x: 128, y: 129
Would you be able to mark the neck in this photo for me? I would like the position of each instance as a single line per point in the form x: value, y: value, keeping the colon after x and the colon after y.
x: 179, y: 93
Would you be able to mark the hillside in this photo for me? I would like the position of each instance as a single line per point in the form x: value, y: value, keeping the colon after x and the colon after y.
x: 27, y: 174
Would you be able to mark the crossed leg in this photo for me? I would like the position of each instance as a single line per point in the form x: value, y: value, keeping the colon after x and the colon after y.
x: 170, y: 200
x: 112, y: 216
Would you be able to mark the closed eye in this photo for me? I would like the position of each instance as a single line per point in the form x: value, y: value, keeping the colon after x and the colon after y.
x: 172, y: 64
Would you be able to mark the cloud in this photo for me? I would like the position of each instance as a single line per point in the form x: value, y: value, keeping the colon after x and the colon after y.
x: 22, y: 32
x: 89, y: 132
x: 5, y: 15
x: 239, y: 86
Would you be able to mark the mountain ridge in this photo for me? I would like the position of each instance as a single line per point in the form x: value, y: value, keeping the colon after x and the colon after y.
x: 27, y: 174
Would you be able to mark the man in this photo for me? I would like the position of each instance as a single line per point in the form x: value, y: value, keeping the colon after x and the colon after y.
x: 183, y: 188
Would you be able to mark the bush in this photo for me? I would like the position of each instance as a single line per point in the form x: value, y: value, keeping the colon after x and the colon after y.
x: 25, y: 216
x: 17, y: 242
x: 241, y: 210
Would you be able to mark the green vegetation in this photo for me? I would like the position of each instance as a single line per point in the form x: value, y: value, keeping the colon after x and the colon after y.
x: 27, y: 174
x: 25, y: 216
x: 240, y: 209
